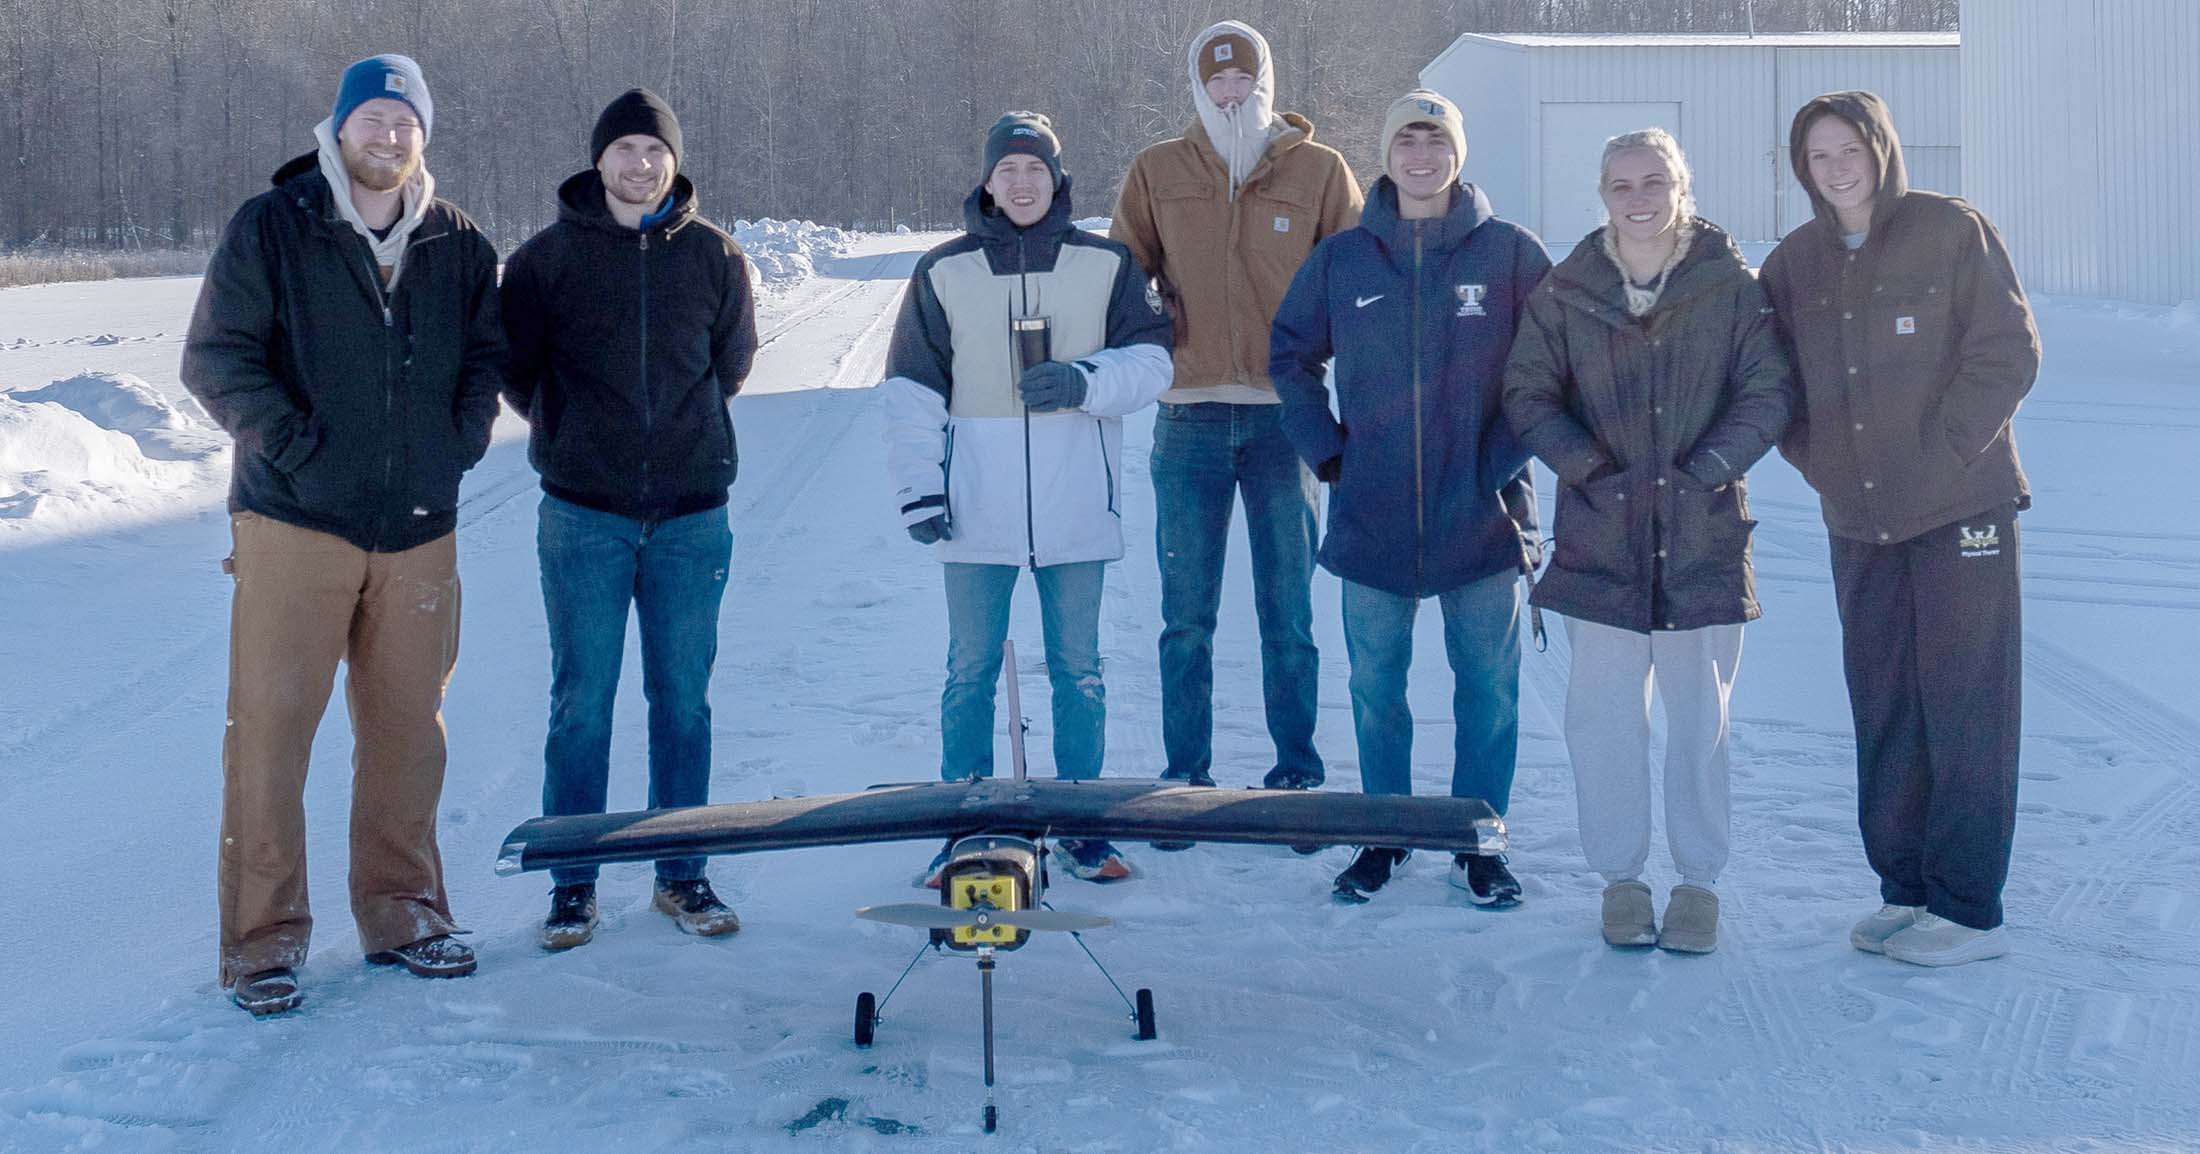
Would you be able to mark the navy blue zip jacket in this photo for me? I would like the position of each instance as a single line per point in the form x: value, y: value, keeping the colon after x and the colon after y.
x: 355, y: 411
x: 1419, y: 316
x: 626, y: 346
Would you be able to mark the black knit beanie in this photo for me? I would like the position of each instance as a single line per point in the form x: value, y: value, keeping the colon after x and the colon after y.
x: 638, y: 111
x: 1030, y: 133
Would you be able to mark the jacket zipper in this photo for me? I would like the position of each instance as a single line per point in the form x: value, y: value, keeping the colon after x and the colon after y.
x: 1023, y: 281
x: 389, y: 389
x: 648, y: 416
x: 1420, y: 496
x: 1106, y: 467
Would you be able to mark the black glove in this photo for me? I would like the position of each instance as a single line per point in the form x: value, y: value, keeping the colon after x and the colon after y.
x: 931, y: 529
x: 1051, y: 386
x: 1328, y: 471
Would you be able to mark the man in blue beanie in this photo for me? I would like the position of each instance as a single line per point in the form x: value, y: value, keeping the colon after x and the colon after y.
x: 631, y: 326
x: 357, y: 365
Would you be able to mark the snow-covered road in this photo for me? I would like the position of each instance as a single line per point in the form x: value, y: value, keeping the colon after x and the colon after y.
x: 1287, y: 1023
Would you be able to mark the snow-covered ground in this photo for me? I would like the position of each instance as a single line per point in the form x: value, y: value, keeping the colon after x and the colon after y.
x: 1287, y: 1023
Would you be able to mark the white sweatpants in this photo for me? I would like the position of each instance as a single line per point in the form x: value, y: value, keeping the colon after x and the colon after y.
x: 1608, y: 740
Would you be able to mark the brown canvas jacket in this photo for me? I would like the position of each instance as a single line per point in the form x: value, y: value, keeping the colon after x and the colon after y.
x: 1913, y: 352
x: 1223, y: 266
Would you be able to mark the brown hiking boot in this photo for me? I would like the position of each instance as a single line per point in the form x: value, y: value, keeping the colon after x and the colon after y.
x: 267, y: 992
x: 441, y: 956
x: 694, y: 908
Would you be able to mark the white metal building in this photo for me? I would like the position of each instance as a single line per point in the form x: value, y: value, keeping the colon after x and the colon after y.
x: 1539, y: 108
x: 2081, y: 141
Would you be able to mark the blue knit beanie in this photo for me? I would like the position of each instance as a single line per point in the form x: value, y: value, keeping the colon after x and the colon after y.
x: 389, y: 75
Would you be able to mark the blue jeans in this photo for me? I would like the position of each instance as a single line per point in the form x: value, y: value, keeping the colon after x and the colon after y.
x: 1204, y: 457
x: 977, y: 622
x: 674, y: 572
x: 1482, y: 642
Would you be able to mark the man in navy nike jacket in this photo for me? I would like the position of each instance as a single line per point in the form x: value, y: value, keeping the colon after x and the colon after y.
x: 1417, y: 306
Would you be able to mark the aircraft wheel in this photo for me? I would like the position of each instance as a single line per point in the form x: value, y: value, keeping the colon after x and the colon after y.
x: 1145, y: 1016
x: 866, y: 1018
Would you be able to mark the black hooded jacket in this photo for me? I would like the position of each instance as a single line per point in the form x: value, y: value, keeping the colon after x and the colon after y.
x: 1913, y: 351
x: 626, y: 345
x: 355, y: 409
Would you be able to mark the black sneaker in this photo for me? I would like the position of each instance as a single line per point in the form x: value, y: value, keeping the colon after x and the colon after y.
x: 572, y: 919
x: 1292, y: 777
x: 1369, y: 872
x: 1486, y: 880
x: 694, y: 908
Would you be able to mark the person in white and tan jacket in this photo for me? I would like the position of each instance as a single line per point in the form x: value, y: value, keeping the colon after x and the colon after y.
x: 1002, y: 466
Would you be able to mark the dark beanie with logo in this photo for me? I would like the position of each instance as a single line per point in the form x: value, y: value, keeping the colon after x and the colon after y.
x: 1029, y: 133
x: 1228, y: 50
x: 636, y: 112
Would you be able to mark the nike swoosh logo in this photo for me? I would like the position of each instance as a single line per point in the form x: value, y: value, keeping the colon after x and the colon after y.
x: 1363, y: 302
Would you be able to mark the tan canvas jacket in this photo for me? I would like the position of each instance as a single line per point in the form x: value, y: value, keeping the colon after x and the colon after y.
x: 1223, y: 266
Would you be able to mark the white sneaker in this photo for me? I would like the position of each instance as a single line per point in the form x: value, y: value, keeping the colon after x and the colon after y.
x: 1871, y: 934
x: 1935, y: 941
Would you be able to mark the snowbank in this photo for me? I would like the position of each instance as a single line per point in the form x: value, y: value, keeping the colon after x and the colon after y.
x: 784, y: 253
x: 96, y: 440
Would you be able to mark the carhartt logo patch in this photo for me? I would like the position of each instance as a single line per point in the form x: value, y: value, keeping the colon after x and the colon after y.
x: 1905, y: 326
x: 1223, y: 52
x: 1283, y: 224
x: 1430, y: 107
x: 1023, y: 131
x: 393, y: 82
x: 1979, y: 542
x: 1470, y: 300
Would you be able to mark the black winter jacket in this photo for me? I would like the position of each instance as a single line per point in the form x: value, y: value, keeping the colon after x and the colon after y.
x: 626, y: 346
x: 1650, y: 424
x: 354, y: 410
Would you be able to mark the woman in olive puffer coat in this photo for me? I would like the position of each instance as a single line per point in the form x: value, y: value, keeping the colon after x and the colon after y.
x: 1648, y: 375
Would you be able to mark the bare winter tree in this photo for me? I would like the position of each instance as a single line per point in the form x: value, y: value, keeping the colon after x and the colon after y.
x: 143, y: 123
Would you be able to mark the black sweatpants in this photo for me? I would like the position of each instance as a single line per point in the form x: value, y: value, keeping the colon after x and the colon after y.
x: 1932, y: 643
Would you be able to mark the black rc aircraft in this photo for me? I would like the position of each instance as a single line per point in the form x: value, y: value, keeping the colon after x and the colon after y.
x: 993, y: 887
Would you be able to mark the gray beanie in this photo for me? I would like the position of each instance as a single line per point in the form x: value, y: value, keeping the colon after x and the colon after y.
x: 1030, y: 133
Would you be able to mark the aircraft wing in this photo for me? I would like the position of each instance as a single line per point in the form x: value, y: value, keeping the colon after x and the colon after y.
x: 1130, y: 810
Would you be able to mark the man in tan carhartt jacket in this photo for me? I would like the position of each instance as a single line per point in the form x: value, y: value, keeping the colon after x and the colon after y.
x: 1222, y: 217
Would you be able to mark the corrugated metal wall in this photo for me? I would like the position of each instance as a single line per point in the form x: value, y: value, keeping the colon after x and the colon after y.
x: 1489, y: 83
x: 2082, y: 141
x: 1735, y: 101
x: 1920, y: 85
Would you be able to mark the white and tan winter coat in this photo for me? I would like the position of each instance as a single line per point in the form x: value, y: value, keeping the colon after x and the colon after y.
x: 1019, y: 487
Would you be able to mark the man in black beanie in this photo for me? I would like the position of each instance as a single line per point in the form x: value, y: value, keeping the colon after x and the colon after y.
x: 631, y: 326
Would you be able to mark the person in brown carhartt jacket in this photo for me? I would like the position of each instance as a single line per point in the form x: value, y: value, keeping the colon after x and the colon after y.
x: 1914, y: 344
x: 1222, y: 217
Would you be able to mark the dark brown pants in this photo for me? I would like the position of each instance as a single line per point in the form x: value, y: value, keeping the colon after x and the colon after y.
x: 306, y: 601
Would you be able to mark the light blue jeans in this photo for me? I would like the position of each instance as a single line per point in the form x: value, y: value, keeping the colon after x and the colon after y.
x: 978, y: 598
x: 1482, y: 642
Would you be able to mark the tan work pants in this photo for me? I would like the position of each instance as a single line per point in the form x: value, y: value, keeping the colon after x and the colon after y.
x: 304, y: 602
